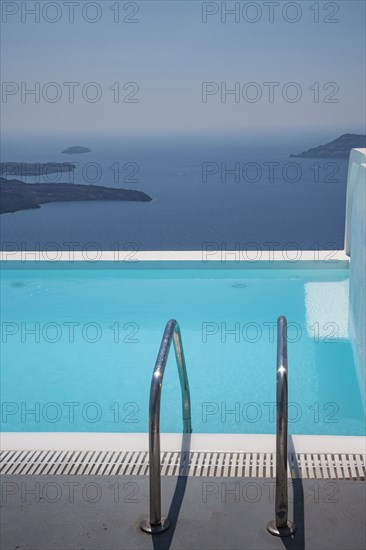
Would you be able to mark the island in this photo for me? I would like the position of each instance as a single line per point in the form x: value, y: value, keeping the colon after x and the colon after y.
x: 16, y: 195
x: 76, y: 150
x: 34, y: 168
x: 338, y: 148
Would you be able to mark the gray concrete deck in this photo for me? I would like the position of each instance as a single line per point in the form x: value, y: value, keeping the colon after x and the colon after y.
x: 104, y: 513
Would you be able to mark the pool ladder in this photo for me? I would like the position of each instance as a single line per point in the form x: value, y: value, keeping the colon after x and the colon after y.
x: 156, y: 523
x: 281, y: 526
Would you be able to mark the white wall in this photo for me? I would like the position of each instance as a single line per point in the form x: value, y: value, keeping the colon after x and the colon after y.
x: 355, y: 247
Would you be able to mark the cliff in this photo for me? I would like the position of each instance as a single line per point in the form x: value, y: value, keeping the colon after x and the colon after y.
x: 16, y: 195
x: 338, y: 148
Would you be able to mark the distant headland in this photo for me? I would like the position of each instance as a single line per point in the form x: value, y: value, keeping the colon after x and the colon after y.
x: 34, y: 168
x: 338, y: 148
x: 76, y: 150
x: 16, y: 195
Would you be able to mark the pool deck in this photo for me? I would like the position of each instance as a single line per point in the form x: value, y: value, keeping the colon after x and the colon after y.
x: 104, y: 513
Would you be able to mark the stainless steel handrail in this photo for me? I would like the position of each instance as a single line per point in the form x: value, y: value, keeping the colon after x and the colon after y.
x: 156, y: 523
x: 281, y: 526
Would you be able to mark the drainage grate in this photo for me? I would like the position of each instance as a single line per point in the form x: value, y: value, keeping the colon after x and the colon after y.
x: 201, y: 463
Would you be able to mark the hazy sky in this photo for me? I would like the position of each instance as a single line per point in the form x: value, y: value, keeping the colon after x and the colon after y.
x: 169, y: 52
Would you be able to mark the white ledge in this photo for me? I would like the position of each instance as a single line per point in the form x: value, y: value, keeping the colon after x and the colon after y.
x: 52, y: 441
x: 251, y: 257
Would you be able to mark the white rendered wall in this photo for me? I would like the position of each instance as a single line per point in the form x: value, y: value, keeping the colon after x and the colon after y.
x: 355, y: 247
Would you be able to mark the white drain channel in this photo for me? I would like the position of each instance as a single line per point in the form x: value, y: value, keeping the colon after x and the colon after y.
x: 201, y: 463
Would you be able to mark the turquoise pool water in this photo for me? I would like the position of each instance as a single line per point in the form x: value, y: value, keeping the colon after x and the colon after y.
x: 79, y: 346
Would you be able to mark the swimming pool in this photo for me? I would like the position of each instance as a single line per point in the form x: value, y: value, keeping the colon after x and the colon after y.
x: 79, y: 343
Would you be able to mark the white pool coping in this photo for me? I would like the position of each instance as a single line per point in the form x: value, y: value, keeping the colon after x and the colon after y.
x: 290, y: 257
x: 52, y: 441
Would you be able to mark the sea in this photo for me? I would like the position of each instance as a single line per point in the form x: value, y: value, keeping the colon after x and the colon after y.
x: 219, y: 191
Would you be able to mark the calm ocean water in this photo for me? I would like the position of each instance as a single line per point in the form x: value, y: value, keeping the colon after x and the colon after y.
x: 225, y: 192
